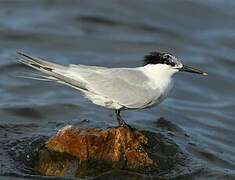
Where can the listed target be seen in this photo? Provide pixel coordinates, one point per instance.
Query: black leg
(121, 122)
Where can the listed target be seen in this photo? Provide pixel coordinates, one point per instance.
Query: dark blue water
(119, 33)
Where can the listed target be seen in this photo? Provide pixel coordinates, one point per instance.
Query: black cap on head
(159, 58)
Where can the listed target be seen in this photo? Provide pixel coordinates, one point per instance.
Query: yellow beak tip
(205, 74)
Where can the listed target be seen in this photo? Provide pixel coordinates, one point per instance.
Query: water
(117, 34)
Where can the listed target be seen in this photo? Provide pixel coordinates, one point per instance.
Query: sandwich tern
(116, 88)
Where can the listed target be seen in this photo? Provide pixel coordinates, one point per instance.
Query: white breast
(160, 76)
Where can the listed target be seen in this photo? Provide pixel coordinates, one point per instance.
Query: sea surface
(199, 114)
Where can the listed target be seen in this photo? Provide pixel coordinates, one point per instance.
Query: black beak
(192, 70)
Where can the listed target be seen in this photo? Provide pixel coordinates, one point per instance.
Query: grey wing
(128, 87)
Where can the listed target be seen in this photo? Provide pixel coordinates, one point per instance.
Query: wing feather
(126, 86)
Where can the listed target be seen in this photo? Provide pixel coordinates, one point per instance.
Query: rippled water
(118, 34)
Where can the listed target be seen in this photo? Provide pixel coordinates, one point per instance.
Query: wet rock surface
(82, 152)
(87, 152)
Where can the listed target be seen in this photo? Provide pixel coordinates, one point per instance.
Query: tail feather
(35, 66)
(36, 77)
(55, 72)
(42, 62)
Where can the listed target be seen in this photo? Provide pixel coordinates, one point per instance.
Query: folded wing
(129, 87)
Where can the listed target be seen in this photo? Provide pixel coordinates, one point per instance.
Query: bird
(116, 88)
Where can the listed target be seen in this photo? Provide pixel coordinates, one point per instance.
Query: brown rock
(82, 152)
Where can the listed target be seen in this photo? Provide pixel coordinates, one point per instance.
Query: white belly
(103, 101)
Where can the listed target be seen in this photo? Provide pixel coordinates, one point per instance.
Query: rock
(84, 152)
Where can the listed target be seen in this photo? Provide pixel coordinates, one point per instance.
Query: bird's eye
(169, 62)
(167, 59)
(172, 63)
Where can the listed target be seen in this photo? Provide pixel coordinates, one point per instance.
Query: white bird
(116, 88)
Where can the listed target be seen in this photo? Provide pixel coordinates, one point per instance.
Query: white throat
(159, 71)
(160, 76)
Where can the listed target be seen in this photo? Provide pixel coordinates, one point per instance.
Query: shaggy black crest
(159, 58)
